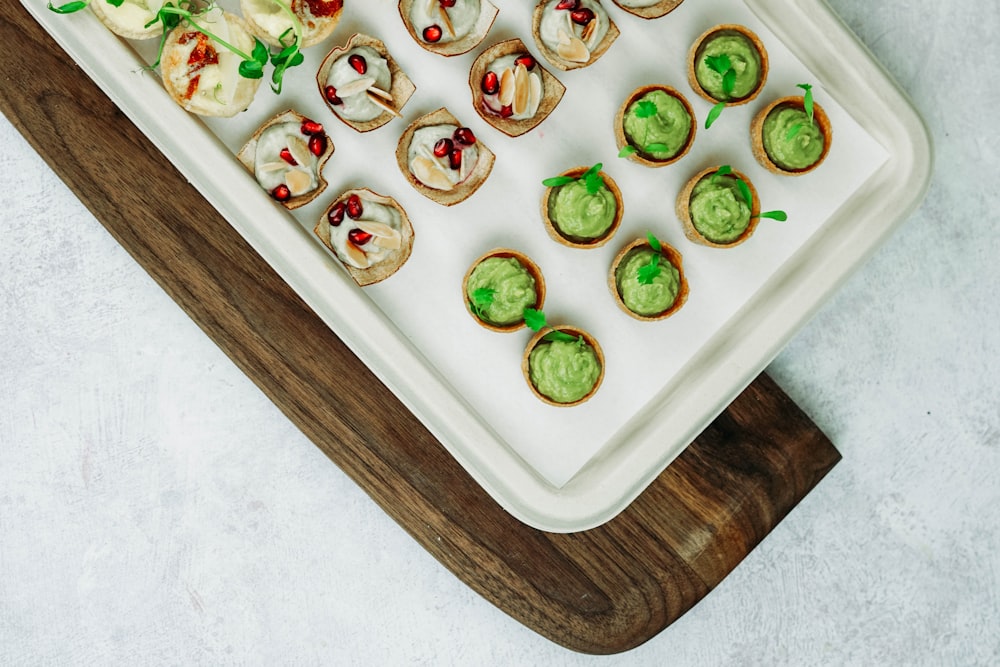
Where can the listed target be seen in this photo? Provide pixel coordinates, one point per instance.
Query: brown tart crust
(487, 15)
(247, 156)
(640, 156)
(319, 18)
(107, 17)
(529, 266)
(668, 252)
(684, 210)
(558, 61)
(695, 52)
(387, 267)
(552, 89)
(576, 242)
(661, 8)
(757, 135)
(401, 90)
(572, 331)
(462, 190)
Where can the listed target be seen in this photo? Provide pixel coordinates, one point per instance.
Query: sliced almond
(430, 174)
(508, 86)
(534, 94)
(299, 150)
(375, 90)
(299, 181)
(356, 255)
(522, 89)
(386, 243)
(272, 167)
(374, 228)
(588, 32)
(574, 51)
(463, 169)
(356, 86)
(445, 19)
(382, 104)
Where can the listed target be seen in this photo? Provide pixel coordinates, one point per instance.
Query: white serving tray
(562, 469)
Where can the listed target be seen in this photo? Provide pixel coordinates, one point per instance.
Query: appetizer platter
(659, 382)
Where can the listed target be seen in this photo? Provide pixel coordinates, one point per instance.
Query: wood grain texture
(601, 591)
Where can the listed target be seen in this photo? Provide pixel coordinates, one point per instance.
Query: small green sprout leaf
(116, 3)
(723, 170)
(729, 82)
(713, 115)
(69, 7)
(807, 100)
(657, 148)
(557, 181)
(534, 319)
(654, 242)
(648, 272)
(719, 64)
(645, 109)
(745, 192)
(592, 179)
(482, 298)
(627, 150)
(793, 130)
(562, 336)
(780, 216)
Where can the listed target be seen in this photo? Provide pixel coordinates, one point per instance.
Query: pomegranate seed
(507, 111)
(281, 193)
(359, 63)
(432, 33)
(311, 127)
(331, 95)
(358, 237)
(582, 16)
(490, 84)
(353, 207)
(448, 3)
(317, 144)
(568, 4)
(464, 136)
(526, 60)
(286, 155)
(443, 147)
(336, 214)
(455, 159)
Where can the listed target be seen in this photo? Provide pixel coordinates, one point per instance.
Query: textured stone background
(156, 508)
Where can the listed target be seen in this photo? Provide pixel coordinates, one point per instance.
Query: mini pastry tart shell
(314, 30)
(577, 242)
(669, 253)
(528, 265)
(536, 340)
(387, 267)
(248, 153)
(757, 135)
(661, 8)
(462, 190)
(684, 211)
(401, 90)
(552, 89)
(696, 50)
(487, 15)
(107, 17)
(639, 155)
(558, 61)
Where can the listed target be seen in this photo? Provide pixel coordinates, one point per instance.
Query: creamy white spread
(273, 170)
(381, 221)
(358, 106)
(210, 84)
(433, 171)
(558, 31)
(462, 17)
(520, 101)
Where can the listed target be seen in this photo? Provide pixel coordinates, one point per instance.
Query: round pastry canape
(362, 84)
(511, 90)
(563, 366)
(572, 33)
(269, 20)
(713, 208)
(739, 48)
(582, 207)
(786, 141)
(286, 155)
(499, 286)
(648, 9)
(202, 76)
(130, 20)
(368, 232)
(448, 27)
(655, 126)
(442, 159)
(648, 282)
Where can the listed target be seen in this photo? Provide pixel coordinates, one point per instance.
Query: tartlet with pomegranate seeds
(747, 58)
(202, 76)
(584, 209)
(713, 210)
(658, 125)
(511, 90)
(442, 159)
(268, 20)
(566, 371)
(286, 155)
(648, 9)
(572, 33)
(499, 285)
(369, 233)
(448, 27)
(647, 282)
(362, 84)
(131, 19)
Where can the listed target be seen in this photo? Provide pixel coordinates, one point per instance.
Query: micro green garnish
(807, 105)
(654, 242)
(724, 67)
(645, 109)
(724, 170)
(656, 148)
(290, 55)
(77, 5)
(535, 320)
(482, 298)
(591, 178)
(627, 149)
(744, 188)
(648, 272)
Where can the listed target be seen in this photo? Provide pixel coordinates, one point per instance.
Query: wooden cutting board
(605, 590)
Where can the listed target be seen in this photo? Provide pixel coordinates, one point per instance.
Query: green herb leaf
(793, 130)
(251, 69)
(657, 148)
(648, 272)
(593, 181)
(534, 319)
(654, 242)
(482, 298)
(69, 7)
(259, 54)
(729, 82)
(807, 100)
(724, 170)
(780, 216)
(719, 64)
(557, 181)
(627, 150)
(116, 3)
(745, 192)
(562, 336)
(592, 171)
(713, 115)
(645, 109)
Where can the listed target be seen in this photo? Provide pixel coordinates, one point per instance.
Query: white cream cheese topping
(436, 172)
(573, 42)
(272, 170)
(381, 221)
(462, 18)
(520, 88)
(352, 87)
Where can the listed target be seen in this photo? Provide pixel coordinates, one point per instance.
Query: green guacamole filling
(666, 123)
(744, 59)
(802, 149)
(564, 371)
(512, 289)
(718, 210)
(579, 214)
(652, 298)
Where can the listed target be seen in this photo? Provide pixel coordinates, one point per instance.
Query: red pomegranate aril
(464, 136)
(336, 214)
(447, 3)
(358, 237)
(526, 60)
(490, 84)
(286, 155)
(311, 127)
(353, 207)
(455, 159)
(507, 111)
(581, 16)
(317, 144)
(432, 33)
(443, 147)
(568, 4)
(281, 193)
(331, 95)
(358, 62)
